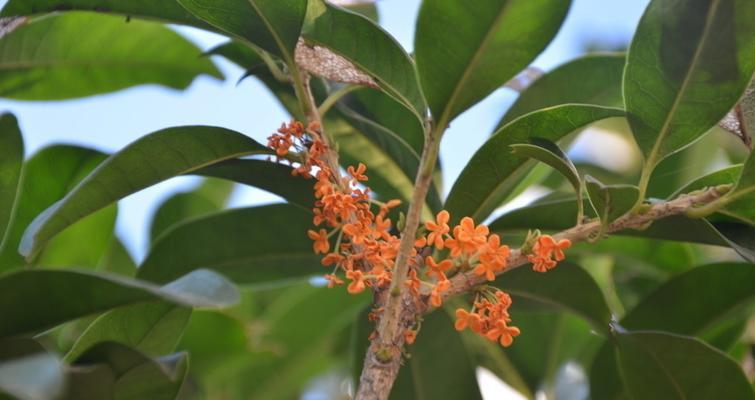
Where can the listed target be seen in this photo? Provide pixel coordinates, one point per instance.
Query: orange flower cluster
(365, 250)
(546, 252)
(489, 317)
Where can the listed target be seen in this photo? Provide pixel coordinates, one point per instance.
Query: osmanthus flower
(438, 229)
(357, 281)
(546, 252)
(366, 249)
(489, 317)
(437, 270)
(321, 244)
(467, 238)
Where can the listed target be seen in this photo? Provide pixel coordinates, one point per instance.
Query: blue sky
(109, 122)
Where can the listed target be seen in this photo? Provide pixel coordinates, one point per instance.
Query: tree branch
(464, 282)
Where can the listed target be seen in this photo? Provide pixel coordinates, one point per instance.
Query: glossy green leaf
(134, 375)
(687, 66)
(210, 196)
(740, 202)
(166, 10)
(273, 25)
(153, 328)
(38, 62)
(591, 79)
(493, 172)
(657, 365)
(149, 160)
(726, 287)
(46, 295)
(249, 245)
(369, 48)
(273, 177)
(488, 45)
(567, 287)
(612, 201)
(440, 366)
(33, 376)
(49, 174)
(11, 161)
(549, 153)
(117, 259)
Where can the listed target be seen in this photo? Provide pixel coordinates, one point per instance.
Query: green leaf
(369, 48)
(117, 259)
(567, 287)
(153, 328)
(488, 45)
(149, 160)
(738, 203)
(273, 177)
(612, 201)
(549, 153)
(440, 366)
(48, 175)
(249, 245)
(134, 375)
(493, 172)
(38, 62)
(657, 365)
(46, 295)
(209, 197)
(591, 79)
(166, 10)
(11, 162)
(674, 308)
(273, 25)
(687, 66)
(32, 376)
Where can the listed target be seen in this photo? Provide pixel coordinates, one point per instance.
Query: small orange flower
(413, 282)
(438, 229)
(545, 250)
(503, 333)
(358, 173)
(332, 258)
(321, 244)
(333, 280)
(465, 319)
(436, 295)
(410, 336)
(467, 237)
(438, 269)
(357, 281)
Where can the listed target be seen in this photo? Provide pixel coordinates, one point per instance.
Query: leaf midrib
(664, 131)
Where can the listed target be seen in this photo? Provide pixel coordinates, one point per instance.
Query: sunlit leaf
(656, 365)
(248, 245)
(11, 161)
(153, 328)
(369, 48)
(149, 160)
(488, 45)
(591, 79)
(39, 63)
(493, 171)
(688, 65)
(46, 295)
